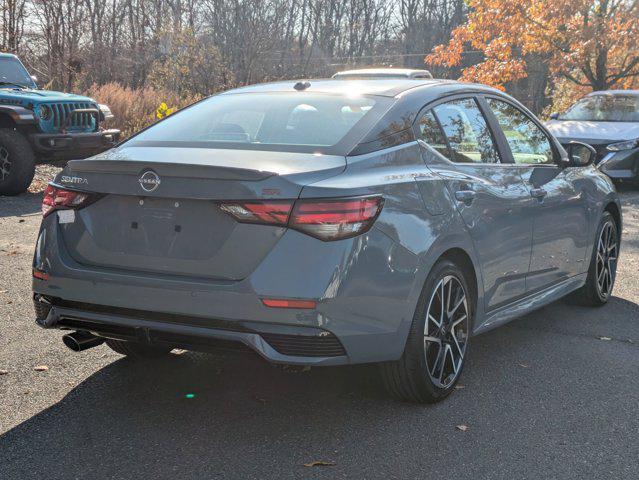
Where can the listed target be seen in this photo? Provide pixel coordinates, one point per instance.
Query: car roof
(613, 92)
(391, 87)
(7, 55)
(384, 73)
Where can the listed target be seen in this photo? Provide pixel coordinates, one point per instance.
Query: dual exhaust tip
(80, 340)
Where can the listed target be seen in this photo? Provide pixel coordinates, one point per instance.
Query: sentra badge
(76, 180)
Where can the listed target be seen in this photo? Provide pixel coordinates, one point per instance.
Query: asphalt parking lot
(552, 395)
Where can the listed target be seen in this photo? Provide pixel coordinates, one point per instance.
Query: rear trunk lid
(161, 215)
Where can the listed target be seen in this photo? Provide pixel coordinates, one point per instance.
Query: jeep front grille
(81, 121)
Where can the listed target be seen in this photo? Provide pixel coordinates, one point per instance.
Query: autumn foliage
(589, 43)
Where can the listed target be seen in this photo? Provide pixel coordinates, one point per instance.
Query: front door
(560, 228)
(489, 194)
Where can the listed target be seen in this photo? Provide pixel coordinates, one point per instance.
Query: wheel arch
(6, 121)
(614, 210)
(17, 115)
(458, 248)
(463, 260)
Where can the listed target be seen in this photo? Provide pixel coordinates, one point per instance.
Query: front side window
(467, 132)
(260, 120)
(528, 143)
(605, 108)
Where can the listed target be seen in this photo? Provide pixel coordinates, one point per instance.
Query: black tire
(137, 350)
(592, 294)
(17, 162)
(410, 377)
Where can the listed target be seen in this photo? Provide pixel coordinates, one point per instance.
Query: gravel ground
(552, 395)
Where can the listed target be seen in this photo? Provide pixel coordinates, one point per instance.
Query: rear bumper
(276, 343)
(363, 287)
(73, 145)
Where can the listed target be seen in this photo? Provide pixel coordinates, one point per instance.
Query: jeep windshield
(13, 73)
(605, 108)
(281, 121)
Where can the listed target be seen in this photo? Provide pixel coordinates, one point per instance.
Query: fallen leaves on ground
(462, 428)
(604, 338)
(3, 372)
(523, 365)
(320, 463)
(41, 368)
(459, 386)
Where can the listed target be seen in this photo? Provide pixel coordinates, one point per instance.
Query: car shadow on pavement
(24, 204)
(229, 416)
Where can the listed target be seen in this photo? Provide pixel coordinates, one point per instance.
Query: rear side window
(467, 132)
(528, 143)
(258, 120)
(429, 131)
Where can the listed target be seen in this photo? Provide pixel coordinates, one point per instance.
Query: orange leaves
(573, 36)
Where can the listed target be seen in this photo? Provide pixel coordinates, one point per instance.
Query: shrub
(135, 109)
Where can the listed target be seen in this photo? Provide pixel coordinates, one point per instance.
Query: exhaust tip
(79, 341)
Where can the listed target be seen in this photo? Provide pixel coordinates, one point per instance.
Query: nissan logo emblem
(149, 181)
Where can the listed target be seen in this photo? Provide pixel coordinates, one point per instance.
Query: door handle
(465, 196)
(538, 193)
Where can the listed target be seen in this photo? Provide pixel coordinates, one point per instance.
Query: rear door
(559, 209)
(488, 192)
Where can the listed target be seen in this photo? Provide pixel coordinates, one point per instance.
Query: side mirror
(554, 116)
(580, 154)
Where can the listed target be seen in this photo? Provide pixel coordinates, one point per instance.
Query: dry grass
(135, 109)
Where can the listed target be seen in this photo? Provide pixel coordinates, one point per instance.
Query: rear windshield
(296, 121)
(605, 108)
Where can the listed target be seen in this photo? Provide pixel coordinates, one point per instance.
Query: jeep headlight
(105, 111)
(625, 145)
(45, 112)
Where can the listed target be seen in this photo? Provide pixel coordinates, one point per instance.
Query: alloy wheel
(606, 265)
(5, 163)
(446, 331)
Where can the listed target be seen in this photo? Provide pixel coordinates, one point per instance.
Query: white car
(609, 122)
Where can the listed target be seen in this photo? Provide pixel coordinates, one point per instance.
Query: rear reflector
(40, 274)
(58, 198)
(282, 303)
(326, 219)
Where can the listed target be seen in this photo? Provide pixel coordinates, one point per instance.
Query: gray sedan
(327, 222)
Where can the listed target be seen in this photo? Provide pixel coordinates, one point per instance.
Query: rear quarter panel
(419, 219)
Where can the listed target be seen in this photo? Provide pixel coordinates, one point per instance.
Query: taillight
(326, 219)
(335, 219)
(58, 198)
(268, 212)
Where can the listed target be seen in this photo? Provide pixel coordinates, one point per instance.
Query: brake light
(58, 198)
(326, 219)
(335, 219)
(269, 213)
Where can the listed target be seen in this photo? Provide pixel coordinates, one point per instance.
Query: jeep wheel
(17, 163)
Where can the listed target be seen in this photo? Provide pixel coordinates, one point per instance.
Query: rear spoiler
(167, 169)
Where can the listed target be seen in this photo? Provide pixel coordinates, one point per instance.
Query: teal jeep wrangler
(40, 126)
